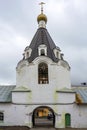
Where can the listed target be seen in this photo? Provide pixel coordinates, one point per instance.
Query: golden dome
(42, 17)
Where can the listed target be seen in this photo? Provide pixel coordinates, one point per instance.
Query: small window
(57, 54)
(43, 73)
(42, 52)
(27, 54)
(1, 116)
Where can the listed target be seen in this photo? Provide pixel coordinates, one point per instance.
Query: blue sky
(67, 25)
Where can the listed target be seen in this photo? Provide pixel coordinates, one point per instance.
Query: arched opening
(57, 54)
(67, 120)
(42, 52)
(43, 73)
(43, 116)
(27, 54)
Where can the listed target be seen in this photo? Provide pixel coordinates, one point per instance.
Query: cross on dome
(42, 3)
(42, 19)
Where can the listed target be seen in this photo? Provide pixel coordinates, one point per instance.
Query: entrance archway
(43, 116)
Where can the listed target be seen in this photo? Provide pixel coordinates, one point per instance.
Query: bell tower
(43, 69)
(42, 76)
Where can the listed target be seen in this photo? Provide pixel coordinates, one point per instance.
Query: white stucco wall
(19, 115)
(65, 97)
(29, 95)
(13, 115)
(27, 76)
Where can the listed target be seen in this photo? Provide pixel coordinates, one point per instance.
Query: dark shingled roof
(5, 93)
(42, 37)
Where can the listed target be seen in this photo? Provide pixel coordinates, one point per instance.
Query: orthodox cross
(42, 3)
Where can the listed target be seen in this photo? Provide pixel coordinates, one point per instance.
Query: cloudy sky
(67, 25)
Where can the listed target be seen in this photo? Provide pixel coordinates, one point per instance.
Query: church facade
(43, 87)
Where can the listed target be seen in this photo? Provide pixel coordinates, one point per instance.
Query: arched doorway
(67, 120)
(43, 116)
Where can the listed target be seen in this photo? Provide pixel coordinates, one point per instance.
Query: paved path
(42, 128)
(43, 124)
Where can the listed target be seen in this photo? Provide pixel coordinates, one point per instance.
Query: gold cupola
(41, 18)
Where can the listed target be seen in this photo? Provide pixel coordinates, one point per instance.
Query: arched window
(42, 52)
(27, 54)
(1, 116)
(43, 73)
(57, 54)
(67, 120)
